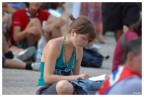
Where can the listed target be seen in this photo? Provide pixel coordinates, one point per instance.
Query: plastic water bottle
(40, 46)
(38, 55)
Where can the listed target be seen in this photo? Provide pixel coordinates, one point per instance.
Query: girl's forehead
(84, 35)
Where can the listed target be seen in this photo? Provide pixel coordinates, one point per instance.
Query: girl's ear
(73, 32)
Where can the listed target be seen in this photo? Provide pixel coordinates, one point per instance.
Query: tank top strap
(62, 50)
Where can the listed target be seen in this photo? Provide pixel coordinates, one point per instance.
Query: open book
(98, 78)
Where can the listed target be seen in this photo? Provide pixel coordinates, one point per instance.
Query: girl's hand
(83, 76)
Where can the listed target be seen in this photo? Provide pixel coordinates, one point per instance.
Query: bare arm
(79, 54)
(18, 34)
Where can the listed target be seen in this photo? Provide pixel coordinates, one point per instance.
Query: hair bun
(71, 17)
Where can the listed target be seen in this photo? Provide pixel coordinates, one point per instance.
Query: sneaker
(16, 59)
(36, 66)
(27, 53)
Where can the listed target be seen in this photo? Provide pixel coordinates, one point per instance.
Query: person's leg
(33, 38)
(18, 52)
(5, 49)
(128, 11)
(9, 63)
(57, 32)
(15, 50)
(22, 54)
(47, 90)
(52, 29)
(118, 34)
(112, 18)
(47, 28)
(60, 88)
(98, 29)
(5, 46)
(64, 87)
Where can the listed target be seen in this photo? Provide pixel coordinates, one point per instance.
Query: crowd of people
(40, 36)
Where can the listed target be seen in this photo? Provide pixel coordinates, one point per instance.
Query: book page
(98, 78)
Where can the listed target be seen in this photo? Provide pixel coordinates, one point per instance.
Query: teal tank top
(59, 65)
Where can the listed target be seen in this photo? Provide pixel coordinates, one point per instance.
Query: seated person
(27, 25)
(65, 54)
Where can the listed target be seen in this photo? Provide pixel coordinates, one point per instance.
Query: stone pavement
(23, 82)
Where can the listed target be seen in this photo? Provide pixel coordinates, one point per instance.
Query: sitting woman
(61, 59)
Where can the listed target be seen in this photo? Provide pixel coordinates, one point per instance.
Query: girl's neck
(68, 41)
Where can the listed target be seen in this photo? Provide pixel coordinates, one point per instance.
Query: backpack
(92, 58)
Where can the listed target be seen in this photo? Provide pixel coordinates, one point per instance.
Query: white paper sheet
(98, 78)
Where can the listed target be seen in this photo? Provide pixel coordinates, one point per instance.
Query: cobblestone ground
(23, 82)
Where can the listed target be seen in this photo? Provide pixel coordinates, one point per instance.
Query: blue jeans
(85, 86)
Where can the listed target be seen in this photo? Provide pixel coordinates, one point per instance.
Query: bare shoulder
(54, 43)
(53, 46)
